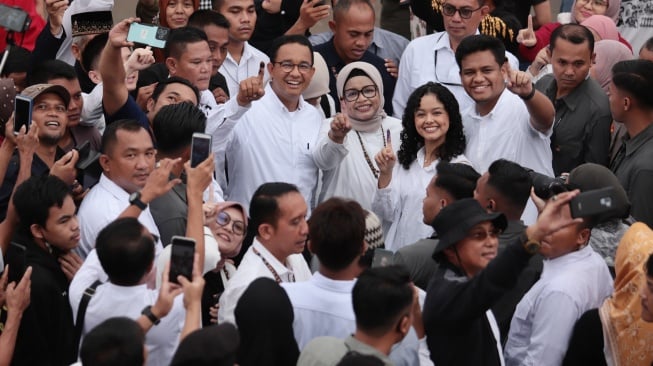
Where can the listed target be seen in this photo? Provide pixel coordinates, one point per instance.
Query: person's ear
(404, 324)
(149, 105)
(491, 205)
(77, 53)
(583, 237)
(266, 231)
(332, 26)
(270, 67)
(485, 10)
(37, 231)
(443, 203)
(94, 76)
(171, 64)
(450, 254)
(105, 162)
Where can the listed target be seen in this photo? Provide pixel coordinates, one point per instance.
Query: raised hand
(139, 60)
(526, 36)
(340, 126)
(144, 94)
(310, 14)
(118, 34)
(542, 59)
(55, 9)
(158, 182)
(520, 83)
(18, 295)
(386, 160)
(551, 218)
(252, 88)
(64, 168)
(70, 264)
(220, 95)
(200, 177)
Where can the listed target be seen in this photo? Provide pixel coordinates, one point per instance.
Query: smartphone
(17, 261)
(200, 148)
(181, 258)
(594, 202)
(382, 258)
(148, 34)
(22, 113)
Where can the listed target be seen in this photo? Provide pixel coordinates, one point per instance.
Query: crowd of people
(479, 195)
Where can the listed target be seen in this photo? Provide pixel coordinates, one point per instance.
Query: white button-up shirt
(250, 63)
(506, 133)
(419, 65)
(544, 319)
(103, 204)
(252, 267)
(399, 205)
(271, 144)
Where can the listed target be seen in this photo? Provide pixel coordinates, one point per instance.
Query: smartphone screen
(594, 202)
(148, 34)
(382, 258)
(22, 113)
(17, 261)
(181, 258)
(200, 148)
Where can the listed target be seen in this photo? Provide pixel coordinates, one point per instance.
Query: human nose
(179, 8)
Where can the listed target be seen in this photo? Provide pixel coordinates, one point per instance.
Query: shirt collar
(354, 344)
(332, 285)
(275, 102)
(576, 96)
(553, 265)
(279, 267)
(114, 189)
(634, 143)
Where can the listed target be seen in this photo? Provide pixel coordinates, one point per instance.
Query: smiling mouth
(52, 124)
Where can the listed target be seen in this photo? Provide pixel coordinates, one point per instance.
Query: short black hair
(17, 61)
(574, 33)
(50, 70)
(284, 40)
(179, 38)
(342, 7)
(124, 251)
(648, 45)
(511, 181)
(636, 78)
(337, 249)
(92, 51)
(174, 126)
(480, 43)
(205, 17)
(110, 135)
(34, 197)
(161, 86)
(264, 206)
(457, 179)
(115, 341)
(381, 296)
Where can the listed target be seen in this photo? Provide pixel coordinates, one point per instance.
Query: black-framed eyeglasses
(288, 66)
(223, 219)
(465, 13)
(369, 92)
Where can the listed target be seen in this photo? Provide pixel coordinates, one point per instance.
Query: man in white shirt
(276, 139)
(278, 215)
(574, 280)
(242, 59)
(128, 182)
(432, 57)
(509, 119)
(323, 304)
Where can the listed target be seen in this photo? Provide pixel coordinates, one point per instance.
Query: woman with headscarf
(264, 316)
(225, 226)
(433, 132)
(608, 52)
(174, 14)
(531, 42)
(615, 334)
(360, 90)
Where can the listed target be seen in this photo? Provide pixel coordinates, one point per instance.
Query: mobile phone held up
(181, 258)
(148, 34)
(22, 113)
(200, 148)
(594, 202)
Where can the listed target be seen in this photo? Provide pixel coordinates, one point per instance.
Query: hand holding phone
(594, 202)
(181, 258)
(148, 34)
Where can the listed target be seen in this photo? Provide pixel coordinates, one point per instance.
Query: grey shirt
(326, 351)
(633, 165)
(581, 129)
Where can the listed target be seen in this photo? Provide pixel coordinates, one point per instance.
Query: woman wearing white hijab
(360, 90)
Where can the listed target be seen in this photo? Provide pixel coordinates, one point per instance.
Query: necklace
(367, 157)
(276, 276)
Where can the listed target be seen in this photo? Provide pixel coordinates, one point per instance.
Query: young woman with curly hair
(433, 132)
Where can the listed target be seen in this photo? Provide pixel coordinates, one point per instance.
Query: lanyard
(276, 276)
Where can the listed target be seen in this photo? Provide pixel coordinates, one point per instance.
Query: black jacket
(46, 332)
(457, 329)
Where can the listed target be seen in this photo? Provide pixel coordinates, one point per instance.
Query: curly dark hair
(454, 143)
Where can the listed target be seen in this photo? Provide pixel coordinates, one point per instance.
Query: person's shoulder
(392, 37)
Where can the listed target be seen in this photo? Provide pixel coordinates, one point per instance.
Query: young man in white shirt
(278, 215)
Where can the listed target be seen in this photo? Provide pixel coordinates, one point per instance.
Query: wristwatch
(135, 199)
(530, 246)
(147, 311)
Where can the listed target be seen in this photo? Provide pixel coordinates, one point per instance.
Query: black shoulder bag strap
(81, 312)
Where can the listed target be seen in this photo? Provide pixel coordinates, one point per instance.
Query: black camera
(14, 19)
(545, 186)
